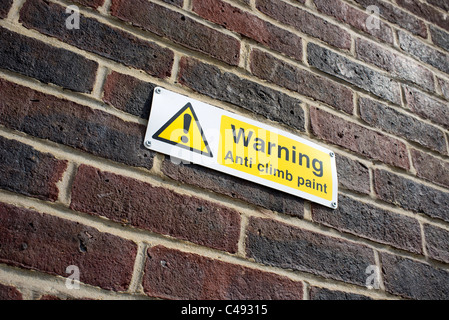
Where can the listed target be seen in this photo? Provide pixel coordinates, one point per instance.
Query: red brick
(249, 25)
(394, 14)
(305, 22)
(267, 67)
(49, 244)
(98, 38)
(431, 168)
(129, 94)
(45, 63)
(427, 107)
(61, 121)
(354, 17)
(425, 11)
(29, 172)
(156, 209)
(178, 28)
(172, 274)
(9, 293)
(5, 5)
(404, 68)
(234, 187)
(280, 245)
(368, 143)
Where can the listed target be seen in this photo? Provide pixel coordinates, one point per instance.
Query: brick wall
(78, 188)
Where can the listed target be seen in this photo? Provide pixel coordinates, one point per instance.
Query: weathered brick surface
(4, 8)
(129, 94)
(436, 242)
(423, 52)
(267, 67)
(440, 37)
(50, 244)
(172, 274)
(305, 22)
(403, 68)
(425, 11)
(225, 86)
(354, 137)
(443, 4)
(411, 195)
(400, 124)
(444, 87)
(431, 168)
(427, 107)
(178, 28)
(74, 125)
(250, 26)
(352, 174)
(29, 172)
(363, 77)
(413, 279)
(98, 38)
(45, 63)
(234, 187)
(316, 293)
(90, 3)
(157, 209)
(370, 222)
(397, 16)
(272, 243)
(9, 293)
(354, 17)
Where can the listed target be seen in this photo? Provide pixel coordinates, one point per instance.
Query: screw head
(334, 205)
(158, 90)
(332, 154)
(147, 144)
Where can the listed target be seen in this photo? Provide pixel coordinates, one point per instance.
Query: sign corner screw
(334, 205)
(158, 90)
(148, 144)
(332, 154)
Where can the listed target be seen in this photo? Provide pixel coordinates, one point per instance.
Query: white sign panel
(197, 132)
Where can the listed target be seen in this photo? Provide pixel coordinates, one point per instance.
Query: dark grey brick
(411, 195)
(363, 77)
(413, 279)
(275, 244)
(370, 222)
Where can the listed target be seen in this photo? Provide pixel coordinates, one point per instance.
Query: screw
(332, 154)
(148, 144)
(158, 90)
(334, 205)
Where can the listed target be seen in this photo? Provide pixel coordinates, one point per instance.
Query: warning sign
(196, 132)
(184, 130)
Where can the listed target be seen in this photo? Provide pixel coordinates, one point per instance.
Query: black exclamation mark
(187, 123)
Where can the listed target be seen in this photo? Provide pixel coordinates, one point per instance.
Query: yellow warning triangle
(184, 130)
